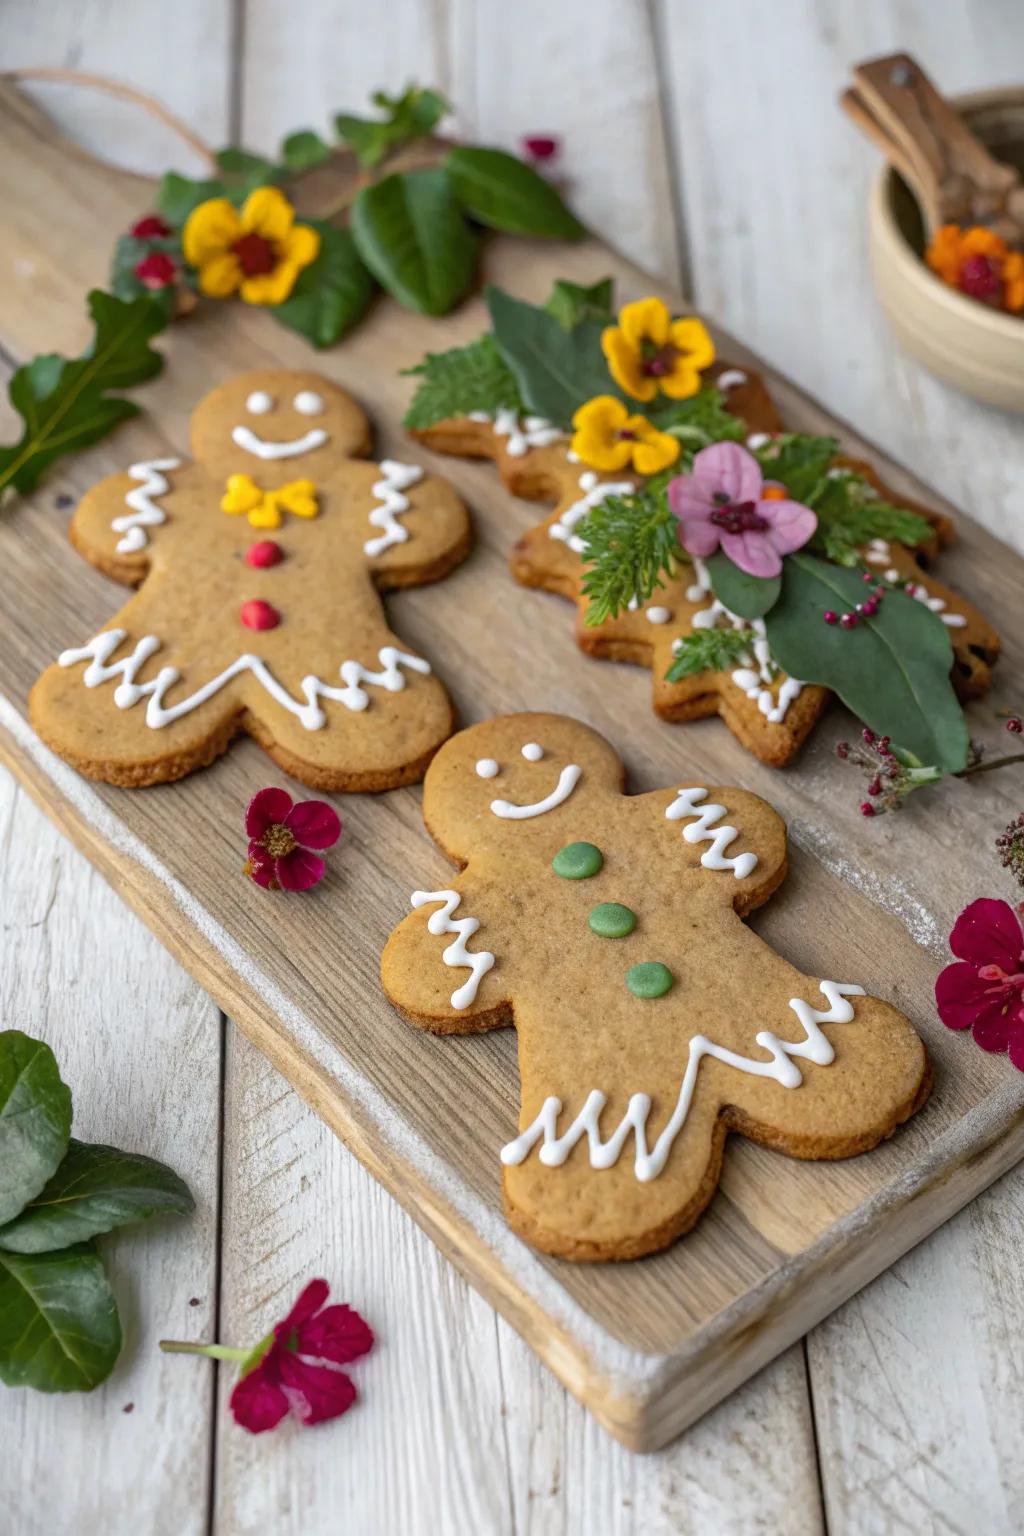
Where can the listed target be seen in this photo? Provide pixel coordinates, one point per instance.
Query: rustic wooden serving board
(648, 1346)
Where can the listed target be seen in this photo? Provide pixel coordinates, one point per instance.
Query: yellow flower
(258, 251)
(648, 351)
(265, 509)
(608, 437)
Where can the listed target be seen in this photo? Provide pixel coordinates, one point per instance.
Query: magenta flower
(723, 500)
(281, 834)
(298, 1369)
(984, 990)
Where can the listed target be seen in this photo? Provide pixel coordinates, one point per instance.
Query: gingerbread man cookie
(651, 1021)
(770, 713)
(259, 568)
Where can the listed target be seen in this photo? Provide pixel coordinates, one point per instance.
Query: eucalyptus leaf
(892, 670)
(555, 370)
(95, 1189)
(748, 596)
(411, 233)
(59, 1328)
(332, 293)
(35, 1119)
(504, 193)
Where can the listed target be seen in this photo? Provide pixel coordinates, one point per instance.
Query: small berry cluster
(865, 610)
(889, 779)
(1010, 848)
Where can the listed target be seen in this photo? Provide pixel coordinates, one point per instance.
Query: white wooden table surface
(705, 140)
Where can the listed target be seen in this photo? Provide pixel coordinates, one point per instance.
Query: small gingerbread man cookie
(651, 1021)
(259, 568)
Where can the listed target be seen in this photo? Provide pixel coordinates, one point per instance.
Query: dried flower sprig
(893, 775)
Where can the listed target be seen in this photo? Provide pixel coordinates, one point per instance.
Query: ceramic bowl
(976, 349)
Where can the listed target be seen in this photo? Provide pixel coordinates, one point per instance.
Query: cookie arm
(417, 529)
(437, 970)
(117, 521)
(733, 837)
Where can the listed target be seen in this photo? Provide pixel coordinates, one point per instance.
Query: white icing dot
(307, 403)
(658, 615)
(259, 403)
(759, 439)
(487, 768)
(533, 752)
(732, 378)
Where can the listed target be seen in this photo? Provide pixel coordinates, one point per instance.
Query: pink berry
(867, 577)
(866, 808)
(843, 749)
(981, 278)
(266, 553)
(868, 735)
(830, 616)
(259, 615)
(850, 620)
(1015, 725)
(910, 588)
(870, 607)
(875, 787)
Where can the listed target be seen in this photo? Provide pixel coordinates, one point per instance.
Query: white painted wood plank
(582, 71)
(178, 53)
(774, 185)
(140, 1046)
(459, 1427)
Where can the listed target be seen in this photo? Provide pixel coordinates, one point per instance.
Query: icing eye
(533, 752)
(307, 403)
(487, 768)
(259, 403)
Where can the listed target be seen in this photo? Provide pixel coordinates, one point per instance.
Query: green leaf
(750, 597)
(410, 232)
(700, 420)
(95, 1189)
(332, 293)
(708, 650)
(892, 671)
(243, 172)
(570, 302)
(35, 1119)
(506, 194)
(630, 542)
(303, 150)
(799, 460)
(850, 513)
(555, 370)
(465, 379)
(64, 404)
(407, 117)
(59, 1328)
(178, 195)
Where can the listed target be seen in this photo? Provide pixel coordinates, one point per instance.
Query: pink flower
(724, 500)
(298, 1367)
(152, 227)
(984, 990)
(281, 834)
(156, 270)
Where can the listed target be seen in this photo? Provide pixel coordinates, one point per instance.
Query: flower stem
(211, 1351)
(994, 762)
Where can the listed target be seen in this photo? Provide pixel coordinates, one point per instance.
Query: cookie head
(528, 775)
(277, 426)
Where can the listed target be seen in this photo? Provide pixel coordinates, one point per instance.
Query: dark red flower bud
(866, 808)
(156, 270)
(868, 735)
(541, 146)
(152, 227)
(1015, 725)
(843, 749)
(982, 278)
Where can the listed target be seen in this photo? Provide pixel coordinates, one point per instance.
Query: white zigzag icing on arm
(782, 1067)
(456, 954)
(145, 513)
(396, 478)
(128, 692)
(684, 805)
(594, 492)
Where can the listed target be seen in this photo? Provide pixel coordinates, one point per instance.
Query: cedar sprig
(708, 650)
(630, 542)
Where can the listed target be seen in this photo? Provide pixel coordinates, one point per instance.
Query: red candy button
(263, 554)
(259, 615)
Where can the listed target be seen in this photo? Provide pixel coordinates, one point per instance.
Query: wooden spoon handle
(957, 178)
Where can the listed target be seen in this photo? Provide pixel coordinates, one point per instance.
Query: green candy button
(577, 861)
(649, 979)
(611, 920)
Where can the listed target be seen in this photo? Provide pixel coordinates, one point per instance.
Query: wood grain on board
(650, 1346)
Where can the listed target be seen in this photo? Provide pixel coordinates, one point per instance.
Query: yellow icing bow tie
(265, 509)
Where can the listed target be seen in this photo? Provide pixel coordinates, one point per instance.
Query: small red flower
(156, 270)
(152, 227)
(984, 990)
(281, 834)
(299, 1368)
(541, 146)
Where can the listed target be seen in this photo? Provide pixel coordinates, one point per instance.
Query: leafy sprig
(465, 379)
(59, 1327)
(708, 650)
(851, 513)
(630, 543)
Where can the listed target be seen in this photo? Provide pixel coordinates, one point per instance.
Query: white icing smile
(567, 781)
(247, 439)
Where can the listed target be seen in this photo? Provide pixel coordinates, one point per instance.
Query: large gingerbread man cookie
(651, 1021)
(770, 713)
(259, 568)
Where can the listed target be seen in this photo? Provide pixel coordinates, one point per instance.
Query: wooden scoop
(950, 172)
